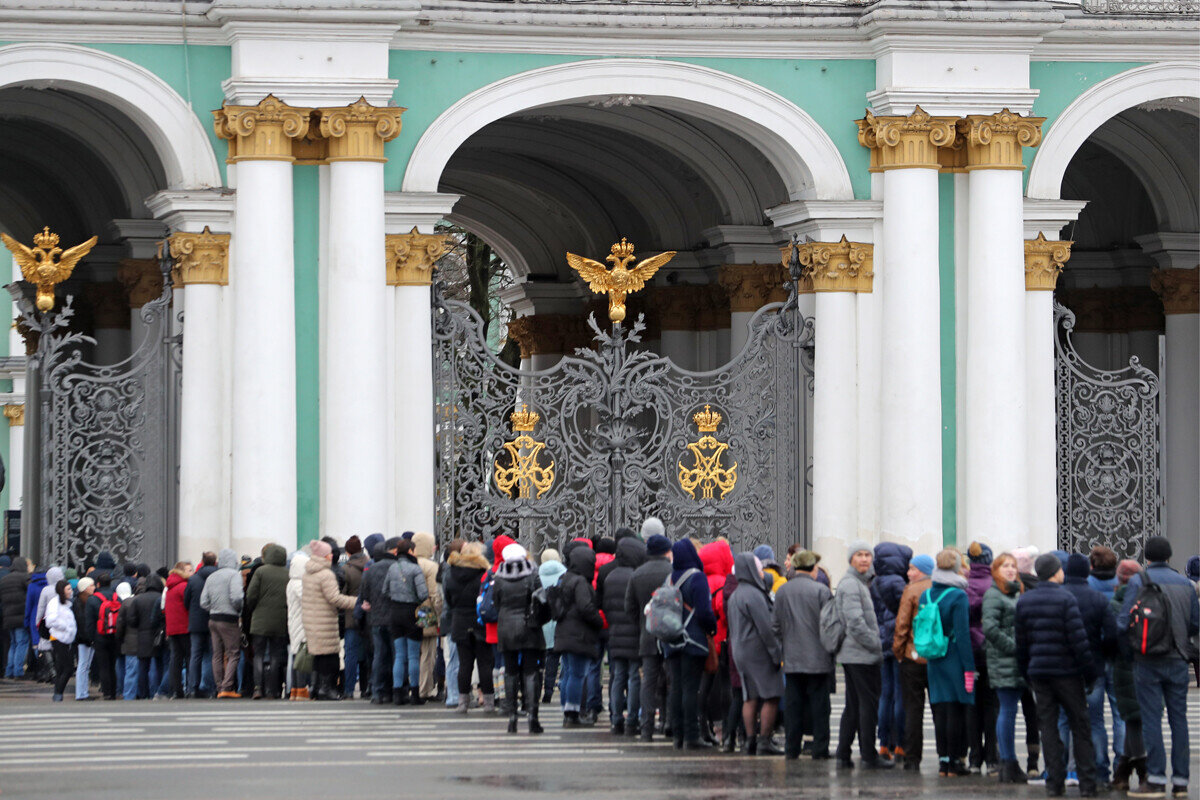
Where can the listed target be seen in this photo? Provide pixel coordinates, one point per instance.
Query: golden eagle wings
(41, 268)
(620, 280)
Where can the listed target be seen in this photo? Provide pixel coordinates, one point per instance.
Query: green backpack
(928, 639)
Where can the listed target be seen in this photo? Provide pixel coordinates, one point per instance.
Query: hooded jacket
(797, 624)
(461, 585)
(197, 616)
(642, 583)
(516, 582)
(718, 565)
(424, 546)
(222, 596)
(371, 590)
(266, 596)
(891, 576)
(174, 608)
(696, 601)
(321, 604)
(12, 594)
(979, 580)
(295, 596)
(752, 636)
(857, 610)
(946, 674)
(549, 574)
(624, 630)
(498, 545)
(60, 619)
(1000, 636)
(53, 576)
(910, 601)
(143, 620)
(579, 628)
(353, 572)
(1098, 619)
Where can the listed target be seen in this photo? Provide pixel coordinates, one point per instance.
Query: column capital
(678, 306)
(1178, 288)
(411, 256)
(842, 266)
(553, 334)
(200, 258)
(265, 132)
(357, 132)
(142, 280)
(752, 286)
(907, 142)
(15, 412)
(994, 141)
(804, 284)
(110, 307)
(1044, 261)
(712, 310)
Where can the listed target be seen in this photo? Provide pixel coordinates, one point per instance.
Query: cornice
(310, 92)
(950, 101)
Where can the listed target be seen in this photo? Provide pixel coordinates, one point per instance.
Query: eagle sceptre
(620, 281)
(39, 266)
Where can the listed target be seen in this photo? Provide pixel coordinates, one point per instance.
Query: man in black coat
(642, 583)
(13, 588)
(624, 635)
(379, 619)
(1055, 659)
(199, 673)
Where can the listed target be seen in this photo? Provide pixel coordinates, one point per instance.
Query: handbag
(711, 661)
(303, 660)
(426, 616)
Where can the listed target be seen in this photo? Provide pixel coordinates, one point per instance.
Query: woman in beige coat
(321, 604)
(424, 546)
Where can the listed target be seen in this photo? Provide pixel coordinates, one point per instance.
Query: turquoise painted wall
(305, 191)
(949, 361)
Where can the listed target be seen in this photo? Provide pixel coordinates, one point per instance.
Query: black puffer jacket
(578, 631)
(1051, 639)
(642, 583)
(515, 583)
(461, 586)
(891, 578)
(1098, 619)
(141, 619)
(13, 587)
(197, 616)
(624, 630)
(371, 590)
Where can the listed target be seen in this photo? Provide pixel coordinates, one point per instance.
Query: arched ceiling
(578, 177)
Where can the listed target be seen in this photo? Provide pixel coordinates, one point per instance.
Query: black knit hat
(1158, 549)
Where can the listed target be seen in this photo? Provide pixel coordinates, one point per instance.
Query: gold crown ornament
(707, 420)
(524, 420)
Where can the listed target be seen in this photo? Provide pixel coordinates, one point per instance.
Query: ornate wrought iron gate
(104, 472)
(607, 437)
(1108, 481)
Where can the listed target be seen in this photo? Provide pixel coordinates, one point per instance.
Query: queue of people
(706, 648)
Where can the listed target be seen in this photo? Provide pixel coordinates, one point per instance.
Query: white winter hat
(124, 592)
(513, 552)
(652, 527)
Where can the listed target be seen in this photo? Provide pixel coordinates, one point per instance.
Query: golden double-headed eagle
(619, 281)
(40, 266)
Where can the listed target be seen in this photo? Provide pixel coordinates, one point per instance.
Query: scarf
(948, 578)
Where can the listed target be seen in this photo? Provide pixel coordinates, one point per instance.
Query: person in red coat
(715, 688)
(176, 611)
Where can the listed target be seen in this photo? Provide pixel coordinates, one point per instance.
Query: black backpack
(1149, 629)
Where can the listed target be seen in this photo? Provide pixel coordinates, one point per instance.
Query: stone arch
(803, 153)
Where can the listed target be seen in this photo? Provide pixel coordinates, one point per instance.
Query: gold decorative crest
(707, 472)
(620, 281)
(39, 266)
(524, 471)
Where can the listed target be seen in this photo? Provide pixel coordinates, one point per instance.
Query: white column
(263, 491)
(835, 431)
(869, 318)
(739, 330)
(680, 347)
(15, 468)
(1041, 469)
(962, 323)
(358, 486)
(1181, 411)
(112, 345)
(414, 409)
(911, 427)
(995, 404)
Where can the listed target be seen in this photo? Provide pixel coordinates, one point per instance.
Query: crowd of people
(707, 648)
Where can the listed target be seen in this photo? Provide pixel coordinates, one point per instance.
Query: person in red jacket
(715, 689)
(176, 611)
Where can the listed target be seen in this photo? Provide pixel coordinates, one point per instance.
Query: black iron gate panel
(609, 436)
(1107, 428)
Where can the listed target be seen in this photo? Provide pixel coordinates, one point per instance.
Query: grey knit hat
(858, 545)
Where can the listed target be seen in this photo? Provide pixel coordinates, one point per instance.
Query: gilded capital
(905, 142)
(142, 280)
(1044, 261)
(15, 413)
(1178, 288)
(200, 258)
(752, 286)
(265, 132)
(110, 308)
(411, 256)
(804, 284)
(994, 141)
(842, 266)
(357, 132)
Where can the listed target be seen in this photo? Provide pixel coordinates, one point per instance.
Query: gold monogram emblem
(707, 472)
(524, 472)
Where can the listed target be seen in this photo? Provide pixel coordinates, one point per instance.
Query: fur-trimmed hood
(516, 569)
(471, 561)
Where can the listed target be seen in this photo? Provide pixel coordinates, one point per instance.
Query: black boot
(329, 690)
(571, 719)
(1016, 773)
(416, 699)
(533, 690)
(751, 747)
(512, 680)
(400, 696)
(1139, 766)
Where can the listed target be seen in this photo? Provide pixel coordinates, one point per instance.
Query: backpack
(833, 629)
(556, 601)
(485, 605)
(929, 641)
(540, 611)
(106, 621)
(664, 612)
(1149, 628)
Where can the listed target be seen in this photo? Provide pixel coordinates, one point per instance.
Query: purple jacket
(979, 580)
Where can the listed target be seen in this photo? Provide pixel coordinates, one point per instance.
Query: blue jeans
(406, 664)
(381, 682)
(1118, 739)
(18, 651)
(626, 689)
(199, 668)
(1006, 723)
(451, 672)
(120, 674)
(353, 655)
(593, 699)
(891, 704)
(574, 669)
(130, 691)
(82, 670)
(1159, 683)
